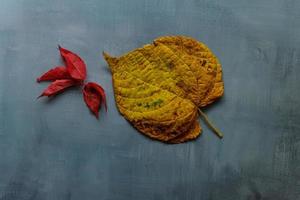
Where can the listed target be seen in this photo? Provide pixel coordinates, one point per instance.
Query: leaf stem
(210, 124)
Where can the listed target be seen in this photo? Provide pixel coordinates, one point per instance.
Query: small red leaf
(56, 73)
(75, 65)
(58, 86)
(94, 95)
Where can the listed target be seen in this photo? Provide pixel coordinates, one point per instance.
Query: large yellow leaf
(159, 87)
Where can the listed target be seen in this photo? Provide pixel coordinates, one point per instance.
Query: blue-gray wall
(56, 150)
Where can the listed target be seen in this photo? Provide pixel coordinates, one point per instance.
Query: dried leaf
(56, 73)
(75, 65)
(58, 86)
(94, 95)
(160, 87)
(73, 74)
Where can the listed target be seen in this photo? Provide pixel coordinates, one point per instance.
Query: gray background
(56, 150)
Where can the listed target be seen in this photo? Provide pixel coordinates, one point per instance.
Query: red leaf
(58, 86)
(94, 95)
(75, 65)
(56, 73)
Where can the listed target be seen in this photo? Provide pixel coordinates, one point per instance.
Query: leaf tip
(105, 106)
(41, 95)
(61, 49)
(106, 55)
(112, 61)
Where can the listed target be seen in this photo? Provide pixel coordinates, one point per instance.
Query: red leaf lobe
(94, 96)
(58, 86)
(75, 65)
(56, 73)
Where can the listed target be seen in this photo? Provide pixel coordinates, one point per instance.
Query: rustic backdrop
(56, 150)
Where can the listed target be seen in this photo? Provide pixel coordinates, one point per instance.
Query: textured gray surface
(56, 150)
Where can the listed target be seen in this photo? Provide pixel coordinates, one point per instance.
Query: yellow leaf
(160, 87)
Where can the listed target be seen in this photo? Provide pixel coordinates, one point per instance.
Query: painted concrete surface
(56, 150)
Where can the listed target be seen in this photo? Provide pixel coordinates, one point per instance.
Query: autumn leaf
(58, 86)
(94, 95)
(161, 87)
(75, 65)
(56, 73)
(73, 74)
